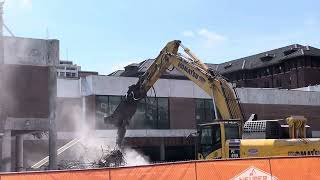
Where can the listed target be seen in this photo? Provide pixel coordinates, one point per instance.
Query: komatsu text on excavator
(227, 136)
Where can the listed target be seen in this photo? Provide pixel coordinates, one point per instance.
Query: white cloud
(210, 35)
(23, 4)
(26, 3)
(207, 38)
(188, 33)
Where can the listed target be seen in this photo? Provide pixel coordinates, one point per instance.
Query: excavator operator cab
(212, 138)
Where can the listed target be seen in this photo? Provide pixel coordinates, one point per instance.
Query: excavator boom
(208, 80)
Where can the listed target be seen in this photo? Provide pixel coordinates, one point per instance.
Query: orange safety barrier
(238, 169)
(296, 168)
(230, 169)
(101, 174)
(162, 171)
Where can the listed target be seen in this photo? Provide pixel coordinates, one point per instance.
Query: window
(278, 83)
(71, 68)
(68, 74)
(308, 62)
(210, 139)
(238, 76)
(204, 110)
(163, 114)
(152, 113)
(300, 63)
(113, 103)
(139, 120)
(200, 111)
(287, 67)
(61, 67)
(73, 74)
(267, 57)
(255, 74)
(209, 110)
(105, 105)
(206, 136)
(232, 131)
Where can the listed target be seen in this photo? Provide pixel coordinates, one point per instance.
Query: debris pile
(114, 158)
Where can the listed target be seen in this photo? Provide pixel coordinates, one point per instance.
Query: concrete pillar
(2, 104)
(6, 151)
(162, 152)
(52, 116)
(84, 111)
(19, 153)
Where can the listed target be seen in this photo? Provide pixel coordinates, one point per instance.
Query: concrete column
(19, 153)
(52, 116)
(162, 152)
(84, 111)
(6, 151)
(2, 104)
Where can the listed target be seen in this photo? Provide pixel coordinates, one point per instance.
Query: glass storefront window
(163, 113)
(138, 120)
(209, 110)
(200, 117)
(204, 110)
(114, 101)
(152, 113)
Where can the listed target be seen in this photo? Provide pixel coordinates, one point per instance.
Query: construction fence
(243, 169)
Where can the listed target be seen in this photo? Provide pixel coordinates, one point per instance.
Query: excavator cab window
(232, 131)
(210, 139)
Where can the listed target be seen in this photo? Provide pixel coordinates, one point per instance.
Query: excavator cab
(212, 137)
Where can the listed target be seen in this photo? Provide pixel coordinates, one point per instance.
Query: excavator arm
(211, 82)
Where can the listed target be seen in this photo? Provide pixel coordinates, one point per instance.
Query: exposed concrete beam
(38, 124)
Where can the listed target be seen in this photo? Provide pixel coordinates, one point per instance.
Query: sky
(105, 35)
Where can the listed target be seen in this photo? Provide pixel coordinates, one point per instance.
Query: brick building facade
(288, 67)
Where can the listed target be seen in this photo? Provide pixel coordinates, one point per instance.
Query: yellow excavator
(227, 136)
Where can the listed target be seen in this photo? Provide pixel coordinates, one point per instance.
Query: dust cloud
(92, 147)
